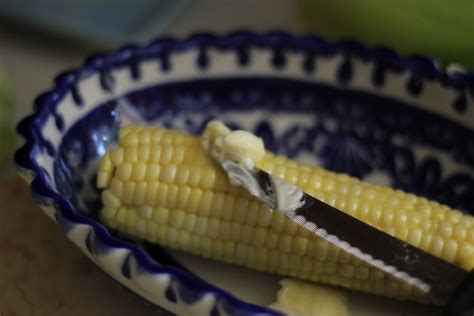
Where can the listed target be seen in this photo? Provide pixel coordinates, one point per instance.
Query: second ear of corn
(162, 186)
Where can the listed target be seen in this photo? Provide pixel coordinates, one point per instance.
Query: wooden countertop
(43, 273)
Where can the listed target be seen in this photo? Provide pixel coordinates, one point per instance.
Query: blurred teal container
(438, 28)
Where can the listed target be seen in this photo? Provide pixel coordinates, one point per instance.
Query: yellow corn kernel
(116, 155)
(156, 135)
(261, 257)
(189, 222)
(109, 212)
(145, 211)
(172, 196)
(327, 267)
(140, 193)
(278, 222)
(162, 232)
(155, 154)
(291, 228)
(299, 246)
(131, 218)
(246, 233)
(282, 262)
(252, 213)
(459, 231)
(445, 229)
(106, 164)
(103, 179)
(120, 218)
(130, 140)
(219, 208)
(124, 172)
(161, 194)
(151, 193)
(131, 154)
(217, 248)
(224, 230)
(414, 236)
(177, 218)
(306, 264)
(168, 174)
(124, 130)
(294, 262)
(449, 251)
(110, 200)
(141, 227)
(260, 235)
(152, 172)
(284, 243)
(213, 228)
(206, 247)
(172, 237)
(182, 175)
(361, 273)
(161, 215)
(272, 240)
(194, 200)
(241, 251)
(321, 250)
(144, 136)
(205, 203)
(184, 192)
(347, 270)
(116, 187)
(200, 227)
(166, 154)
(264, 215)
(151, 231)
(239, 205)
(144, 152)
(235, 231)
(207, 179)
(178, 154)
(194, 176)
(436, 246)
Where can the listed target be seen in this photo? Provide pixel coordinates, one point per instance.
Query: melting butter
(298, 298)
(239, 146)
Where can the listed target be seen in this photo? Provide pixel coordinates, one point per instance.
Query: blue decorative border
(422, 69)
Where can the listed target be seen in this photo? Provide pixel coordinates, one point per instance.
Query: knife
(440, 280)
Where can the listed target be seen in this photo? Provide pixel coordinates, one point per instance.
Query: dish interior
(371, 137)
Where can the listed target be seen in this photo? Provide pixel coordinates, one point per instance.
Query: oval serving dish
(372, 113)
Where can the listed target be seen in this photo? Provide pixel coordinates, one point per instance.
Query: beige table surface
(43, 274)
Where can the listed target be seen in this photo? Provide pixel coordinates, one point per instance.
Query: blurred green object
(6, 128)
(438, 28)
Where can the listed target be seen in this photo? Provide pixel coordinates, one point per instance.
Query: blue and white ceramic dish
(372, 113)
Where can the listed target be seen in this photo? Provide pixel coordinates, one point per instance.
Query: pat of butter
(215, 129)
(240, 146)
(243, 146)
(298, 298)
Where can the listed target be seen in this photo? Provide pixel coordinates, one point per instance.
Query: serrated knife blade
(431, 275)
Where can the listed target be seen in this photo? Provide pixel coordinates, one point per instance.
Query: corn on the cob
(161, 185)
